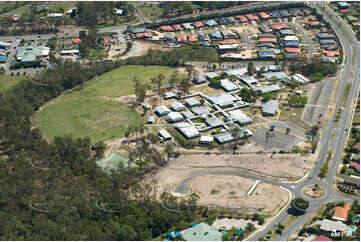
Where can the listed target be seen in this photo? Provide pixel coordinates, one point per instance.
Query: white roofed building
(228, 85)
(270, 107)
(240, 117)
(188, 130)
(162, 110)
(300, 79)
(174, 117)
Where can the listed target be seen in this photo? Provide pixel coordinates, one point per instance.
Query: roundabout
(314, 191)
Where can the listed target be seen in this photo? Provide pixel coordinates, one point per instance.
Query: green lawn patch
(345, 94)
(90, 112)
(7, 82)
(96, 54)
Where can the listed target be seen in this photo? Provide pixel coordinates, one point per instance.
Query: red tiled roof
(251, 16)
(166, 28)
(144, 35)
(242, 18)
(357, 146)
(177, 27)
(76, 40)
(355, 165)
(345, 10)
(181, 38)
(198, 24)
(313, 22)
(342, 212)
(331, 53)
(264, 15)
(322, 238)
(273, 40)
(192, 38)
(293, 50)
(279, 26)
(229, 42)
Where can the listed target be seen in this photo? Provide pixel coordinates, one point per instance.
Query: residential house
(354, 165)
(242, 18)
(166, 28)
(174, 117)
(329, 226)
(264, 15)
(293, 50)
(211, 23)
(177, 27)
(216, 34)
(252, 17)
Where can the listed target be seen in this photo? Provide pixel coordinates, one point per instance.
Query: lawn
(149, 10)
(7, 82)
(89, 112)
(96, 54)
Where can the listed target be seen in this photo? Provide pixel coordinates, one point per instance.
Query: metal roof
(175, 117)
(164, 134)
(268, 88)
(201, 232)
(278, 74)
(216, 34)
(237, 72)
(224, 137)
(191, 102)
(228, 85)
(211, 22)
(240, 116)
(188, 130)
(270, 107)
(301, 79)
(188, 114)
(177, 106)
(249, 80)
(214, 122)
(201, 110)
(330, 226)
(162, 110)
(222, 99)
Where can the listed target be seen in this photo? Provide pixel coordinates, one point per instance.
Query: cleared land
(230, 191)
(91, 111)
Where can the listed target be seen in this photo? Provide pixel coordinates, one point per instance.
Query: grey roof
(224, 137)
(187, 26)
(211, 22)
(268, 88)
(201, 110)
(328, 59)
(265, 28)
(222, 21)
(191, 102)
(214, 122)
(203, 37)
(265, 44)
(290, 55)
(325, 36)
(292, 43)
(163, 133)
(188, 130)
(330, 226)
(223, 99)
(228, 33)
(266, 35)
(329, 47)
(162, 110)
(300, 79)
(240, 117)
(228, 85)
(169, 95)
(211, 75)
(177, 106)
(175, 117)
(327, 42)
(249, 80)
(285, 13)
(278, 74)
(150, 119)
(138, 30)
(231, 19)
(237, 72)
(199, 80)
(188, 114)
(216, 34)
(287, 32)
(201, 232)
(270, 107)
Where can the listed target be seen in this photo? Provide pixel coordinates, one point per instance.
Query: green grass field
(149, 10)
(7, 82)
(89, 112)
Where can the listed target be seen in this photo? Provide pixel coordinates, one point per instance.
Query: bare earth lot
(230, 192)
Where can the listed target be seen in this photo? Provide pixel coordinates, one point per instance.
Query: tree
(250, 227)
(99, 149)
(169, 150)
(250, 68)
(272, 128)
(288, 130)
(184, 85)
(301, 204)
(140, 89)
(174, 78)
